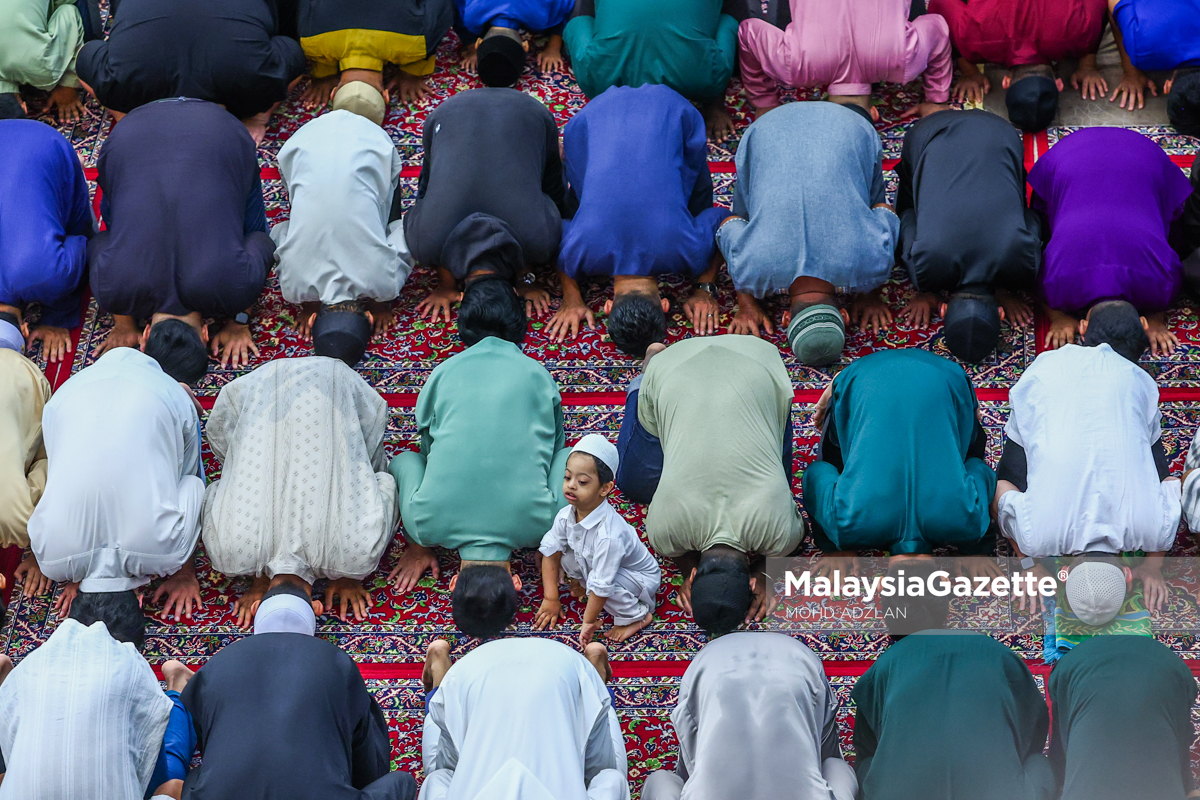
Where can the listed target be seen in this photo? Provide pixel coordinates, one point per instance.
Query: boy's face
(581, 484)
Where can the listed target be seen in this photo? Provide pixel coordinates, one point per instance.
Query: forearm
(446, 279)
(595, 605)
(746, 302)
(550, 570)
(570, 291)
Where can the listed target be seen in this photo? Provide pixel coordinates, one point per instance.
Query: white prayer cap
(1096, 592)
(285, 613)
(596, 445)
(361, 98)
(10, 336)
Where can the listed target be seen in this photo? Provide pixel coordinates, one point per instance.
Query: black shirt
(224, 51)
(490, 151)
(284, 715)
(1185, 231)
(428, 18)
(962, 175)
(176, 175)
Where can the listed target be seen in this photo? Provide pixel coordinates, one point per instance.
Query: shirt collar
(594, 519)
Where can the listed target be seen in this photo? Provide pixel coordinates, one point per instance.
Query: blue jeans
(179, 742)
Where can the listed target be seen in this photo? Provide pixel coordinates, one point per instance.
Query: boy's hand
(588, 632)
(549, 614)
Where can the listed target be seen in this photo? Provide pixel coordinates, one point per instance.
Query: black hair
(636, 322)
(491, 308)
(720, 593)
(603, 473)
(10, 318)
(179, 350)
(286, 587)
(10, 106)
(119, 611)
(1118, 324)
(484, 601)
(906, 614)
(1183, 102)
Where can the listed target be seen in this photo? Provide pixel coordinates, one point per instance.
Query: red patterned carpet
(390, 644)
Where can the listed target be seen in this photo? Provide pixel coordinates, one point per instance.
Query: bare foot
(619, 633)
(304, 321)
(62, 605)
(576, 588)
(176, 675)
(247, 605)
(437, 664)
(29, 575)
(411, 567)
(66, 103)
(382, 317)
(468, 58)
(717, 122)
(123, 334)
(354, 597)
(597, 654)
(409, 88)
(1016, 311)
(257, 125)
(316, 94)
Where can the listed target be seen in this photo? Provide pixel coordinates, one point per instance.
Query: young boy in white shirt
(597, 550)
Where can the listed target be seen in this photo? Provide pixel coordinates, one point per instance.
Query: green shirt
(39, 40)
(719, 405)
(688, 45)
(904, 420)
(490, 420)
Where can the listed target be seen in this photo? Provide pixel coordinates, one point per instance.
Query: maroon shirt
(1016, 32)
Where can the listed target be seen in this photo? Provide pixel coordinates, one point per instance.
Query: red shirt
(1016, 32)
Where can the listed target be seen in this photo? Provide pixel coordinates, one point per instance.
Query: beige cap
(362, 99)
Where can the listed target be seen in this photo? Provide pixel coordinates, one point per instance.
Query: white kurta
(81, 718)
(304, 487)
(340, 171)
(523, 719)
(123, 492)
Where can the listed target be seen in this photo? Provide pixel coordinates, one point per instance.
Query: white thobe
(123, 486)
(523, 719)
(304, 487)
(81, 718)
(340, 171)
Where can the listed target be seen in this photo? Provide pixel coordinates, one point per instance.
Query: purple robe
(1110, 195)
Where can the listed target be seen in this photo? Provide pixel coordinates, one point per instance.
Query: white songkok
(1096, 592)
(10, 336)
(285, 613)
(596, 445)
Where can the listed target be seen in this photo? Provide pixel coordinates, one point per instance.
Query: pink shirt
(847, 46)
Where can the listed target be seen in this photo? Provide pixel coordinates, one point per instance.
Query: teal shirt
(904, 420)
(688, 45)
(491, 426)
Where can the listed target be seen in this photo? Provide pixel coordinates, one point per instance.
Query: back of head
(636, 322)
(1183, 103)
(484, 601)
(972, 326)
(816, 333)
(720, 593)
(1095, 591)
(119, 611)
(10, 106)
(1032, 98)
(501, 58)
(361, 98)
(1117, 324)
(342, 331)
(491, 308)
(285, 608)
(908, 614)
(178, 349)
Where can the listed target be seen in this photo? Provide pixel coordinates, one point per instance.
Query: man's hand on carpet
(438, 303)
(920, 311)
(870, 312)
(1089, 82)
(549, 614)
(971, 87)
(569, 319)
(703, 312)
(56, 342)
(1035, 604)
(234, 345)
(182, 594)
(354, 597)
(922, 110)
(537, 301)
(749, 317)
(979, 567)
(409, 88)
(1063, 329)
(123, 334)
(246, 606)
(1154, 587)
(762, 602)
(844, 562)
(1132, 89)
(1016, 311)
(65, 102)
(718, 125)
(551, 57)
(316, 95)
(412, 565)
(1162, 341)
(62, 603)
(33, 581)
(381, 316)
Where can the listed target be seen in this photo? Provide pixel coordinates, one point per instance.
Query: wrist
(705, 286)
